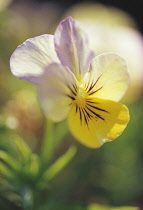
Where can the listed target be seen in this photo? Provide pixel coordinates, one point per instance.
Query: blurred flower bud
(22, 113)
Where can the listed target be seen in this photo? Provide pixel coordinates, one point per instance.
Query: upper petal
(108, 77)
(72, 46)
(29, 60)
(57, 89)
(98, 122)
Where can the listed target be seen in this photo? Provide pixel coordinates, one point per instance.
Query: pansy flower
(113, 30)
(74, 85)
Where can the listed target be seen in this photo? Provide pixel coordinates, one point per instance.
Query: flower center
(81, 93)
(81, 96)
(84, 104)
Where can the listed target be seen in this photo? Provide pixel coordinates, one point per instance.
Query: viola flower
(113, 30)
(74, 85)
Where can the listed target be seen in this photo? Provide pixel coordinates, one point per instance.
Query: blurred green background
(111, 175)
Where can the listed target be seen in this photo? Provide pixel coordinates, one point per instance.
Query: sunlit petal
(29, 60)
(108, 77)
(56, 91)
(72, 46)
(99, 121)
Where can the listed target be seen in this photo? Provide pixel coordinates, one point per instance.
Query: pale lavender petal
(29, 60)
(72, 46)
(57, 90)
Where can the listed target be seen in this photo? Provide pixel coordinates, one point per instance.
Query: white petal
(72, 46)
(29, 60)
(108, 77)
(56, 91)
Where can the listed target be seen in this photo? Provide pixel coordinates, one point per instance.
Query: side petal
(108, 77)
(57, 89)
(72, 46)
(29, 60)
(98, 122)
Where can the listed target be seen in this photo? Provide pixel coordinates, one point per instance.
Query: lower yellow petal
(99, 121)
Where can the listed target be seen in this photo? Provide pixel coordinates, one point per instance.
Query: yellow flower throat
(83, 103)
(81, 96)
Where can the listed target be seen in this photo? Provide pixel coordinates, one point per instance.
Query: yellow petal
(108, 77)
(99, 121)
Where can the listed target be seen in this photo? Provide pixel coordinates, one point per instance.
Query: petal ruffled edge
(29, 60)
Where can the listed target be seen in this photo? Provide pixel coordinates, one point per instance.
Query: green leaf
(125, 208)
(59, 206)
(5, 171)
(97, 207)
(24, 150)
(9, 160)
(59, 164)
(31, 168)
(34, 169)
(6, 185)
(102, 207)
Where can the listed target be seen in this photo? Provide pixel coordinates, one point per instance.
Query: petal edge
(29, 60)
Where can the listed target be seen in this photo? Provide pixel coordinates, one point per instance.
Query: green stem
(27, 199)
(61, 131)
(47, 149)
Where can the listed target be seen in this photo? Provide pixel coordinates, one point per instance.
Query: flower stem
(27, 199)
(47, 149)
